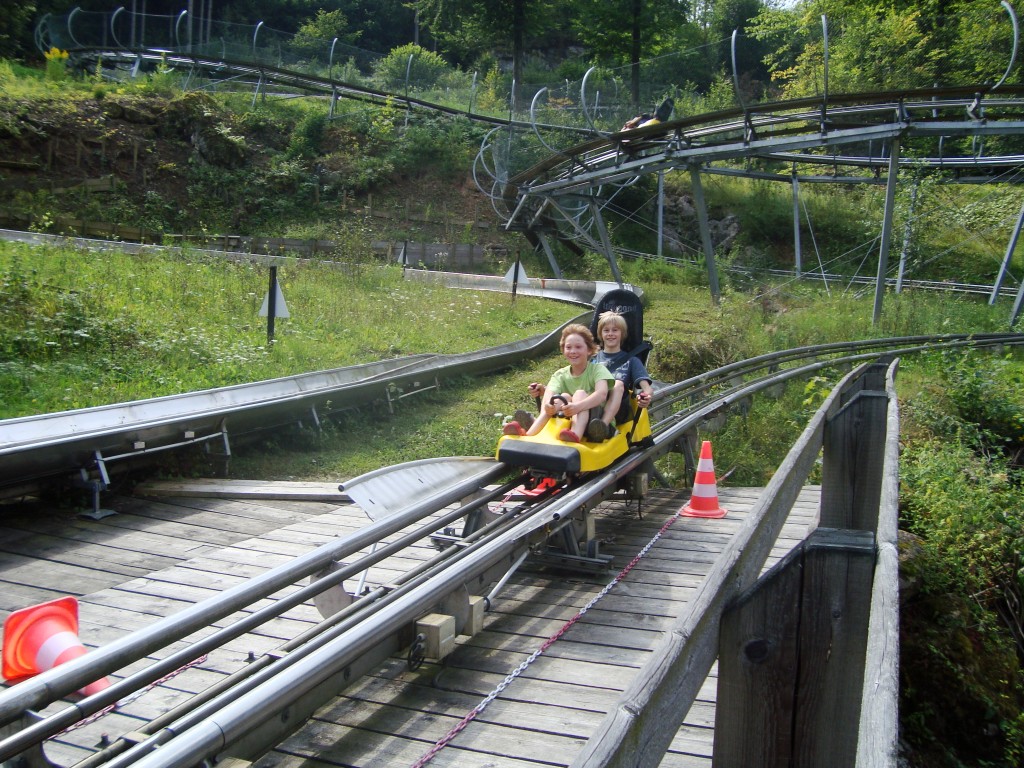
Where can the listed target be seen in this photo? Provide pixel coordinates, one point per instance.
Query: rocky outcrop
(682, 230)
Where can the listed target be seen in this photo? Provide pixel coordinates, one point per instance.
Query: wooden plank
(757, 661)
(14, 597)
(260, 512)
(95, 557)
(223, 529)
(835, 608)
(19, 569)
(118, 536)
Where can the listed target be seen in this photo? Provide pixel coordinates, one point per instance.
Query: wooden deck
(161, 553)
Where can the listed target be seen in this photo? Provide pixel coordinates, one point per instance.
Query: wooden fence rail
(808, 652)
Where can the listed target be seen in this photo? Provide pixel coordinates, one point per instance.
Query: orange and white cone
(41, 637)
(704, 499)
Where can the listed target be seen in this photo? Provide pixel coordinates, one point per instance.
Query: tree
(315, 36)
(467, 28)
(730, 16)
(620, 32)
(15, 28)
(424, 68)
(887, 44)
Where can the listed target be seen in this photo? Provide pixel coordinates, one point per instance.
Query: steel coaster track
(265, 75)
(805, 125)
(257, 706)
(846, 138)
(833, 278)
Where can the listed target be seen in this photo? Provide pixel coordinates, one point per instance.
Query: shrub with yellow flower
(56, 64)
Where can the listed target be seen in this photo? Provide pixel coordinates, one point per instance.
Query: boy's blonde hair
(611, 317)
(579, 330)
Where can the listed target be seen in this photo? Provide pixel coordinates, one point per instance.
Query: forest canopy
(872, 44)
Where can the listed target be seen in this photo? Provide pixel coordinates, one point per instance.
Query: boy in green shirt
(582, 385)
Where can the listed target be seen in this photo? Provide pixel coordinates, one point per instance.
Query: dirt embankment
(184, 164)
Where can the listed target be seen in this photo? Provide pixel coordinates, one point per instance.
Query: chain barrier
(445, 740)
(131, 697)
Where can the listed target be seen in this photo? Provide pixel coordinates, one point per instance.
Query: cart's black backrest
(627, 304)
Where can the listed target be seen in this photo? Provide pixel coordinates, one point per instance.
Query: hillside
(148, 156)
(172, 163)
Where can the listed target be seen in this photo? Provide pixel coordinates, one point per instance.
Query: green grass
(690, 336)
(81, 328)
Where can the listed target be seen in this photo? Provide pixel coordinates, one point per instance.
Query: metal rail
(255, 708)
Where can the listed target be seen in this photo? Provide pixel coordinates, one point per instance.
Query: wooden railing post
(791, 658)
(852, 455)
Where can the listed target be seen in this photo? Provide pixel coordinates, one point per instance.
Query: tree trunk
(634, 56)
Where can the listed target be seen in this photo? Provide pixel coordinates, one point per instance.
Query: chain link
(445, 740)
(132, 696)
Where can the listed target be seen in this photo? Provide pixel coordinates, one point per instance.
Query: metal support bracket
(394, 394)
(95, 485)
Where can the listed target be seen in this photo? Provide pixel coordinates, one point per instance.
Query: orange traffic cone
(704, 499)
(42, 636)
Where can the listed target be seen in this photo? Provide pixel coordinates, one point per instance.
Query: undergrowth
(81, 328)
(962, 633)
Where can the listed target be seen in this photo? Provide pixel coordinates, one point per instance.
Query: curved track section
(849, 139)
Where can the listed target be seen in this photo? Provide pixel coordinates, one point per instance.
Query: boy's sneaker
(513, 428)
(597, 431)
(523, 418)
(568, 436)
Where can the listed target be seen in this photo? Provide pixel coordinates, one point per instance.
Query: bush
(433, 143)
(962, 681)
(426, 70)
(308, 135)
(962, 638)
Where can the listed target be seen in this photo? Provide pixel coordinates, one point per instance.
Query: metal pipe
(705, 232)
(52, 724)
(272, 703)
(661, 211)
(583, 98)
(907, 231)
(71, 17)
(797, 252)
(1005, 265)
(113, 31)
(177, 29)
(533, 120)
(255, 32)
(883, 248)
(69, 677)
(824, 97)
(735, 71)
(504, 580)
(1016, 41)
